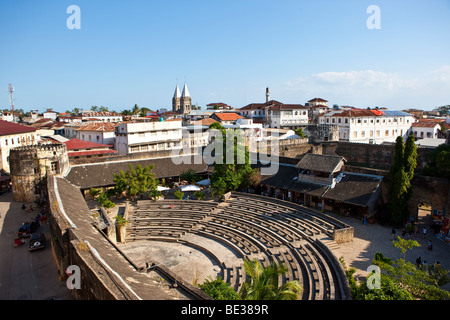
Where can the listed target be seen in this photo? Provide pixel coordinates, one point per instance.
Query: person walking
(424, 232)
(393, 234)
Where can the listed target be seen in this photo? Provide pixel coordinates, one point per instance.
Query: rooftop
(7, 128)
(81, 144)
(322, 163)
(98, 126)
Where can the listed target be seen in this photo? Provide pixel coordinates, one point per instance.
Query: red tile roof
(99, 126)
(423, 124)
(228, 116)
(7, 128)
(81, 144)
(204, 122)
(317, 100)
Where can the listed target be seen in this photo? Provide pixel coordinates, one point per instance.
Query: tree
(230, 174)
(94, 108)
(189, 175)
(300, 133)
(262, 283)
(219, 289)
(135, 110)
(199, 195)
(401, 174)
(404, 245)
(439, 162)
(136, 181)
(179, 194)
(443, 110)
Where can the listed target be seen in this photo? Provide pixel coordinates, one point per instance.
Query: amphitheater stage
(186, 259)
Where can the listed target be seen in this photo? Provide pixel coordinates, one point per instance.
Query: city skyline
(136, 52)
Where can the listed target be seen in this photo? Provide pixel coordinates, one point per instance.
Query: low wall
(343, 235)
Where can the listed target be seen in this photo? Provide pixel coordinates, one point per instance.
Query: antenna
(11, 90)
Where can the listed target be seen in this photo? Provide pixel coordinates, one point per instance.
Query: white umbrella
(205, 182)
(161, 188)
(189, 188)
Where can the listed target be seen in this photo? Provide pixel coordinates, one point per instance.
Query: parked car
(27, 229)
(37, 241)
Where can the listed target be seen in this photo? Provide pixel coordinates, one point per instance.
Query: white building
(100, 132)
(369, 126)
(425, 129)
(14, 135)
(50, 114)
(274, 114)
(104, 116)
(148, 136)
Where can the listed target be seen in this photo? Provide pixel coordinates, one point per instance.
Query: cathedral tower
(186, 101)
(176, 100)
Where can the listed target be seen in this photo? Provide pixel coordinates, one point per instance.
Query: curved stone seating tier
(252, 227)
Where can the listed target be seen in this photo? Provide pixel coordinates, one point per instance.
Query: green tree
(219, 290)
(439, 162)
(189, 175)
(199, 195)
(136, 181)
(401, 174)
(179, 194)
(417, 282)
(263, 283)
(230, 174)
(300, 133)
(135, 110)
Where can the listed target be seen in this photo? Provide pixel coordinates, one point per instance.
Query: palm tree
(262, 283)
(135, 110)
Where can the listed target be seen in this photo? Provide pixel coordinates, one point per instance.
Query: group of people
(423, 265)
(41, 216)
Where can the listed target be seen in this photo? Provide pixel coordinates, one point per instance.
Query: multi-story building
(274, 114)
(132, 137)
(14, 135)
(317, 106)
(369, 126)
(100, 132)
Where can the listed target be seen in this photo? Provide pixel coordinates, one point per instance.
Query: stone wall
(371, 155)
(30, 165)
(343, 235)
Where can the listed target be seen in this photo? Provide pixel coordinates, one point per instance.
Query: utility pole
(11, 90)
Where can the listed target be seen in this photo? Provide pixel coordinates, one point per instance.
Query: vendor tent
(190, 188)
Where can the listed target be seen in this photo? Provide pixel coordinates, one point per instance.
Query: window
(363, 134)
(371, 133)
(378, 133)
(355, 134)
(54, 167)
(386, 133)
(6, 141)
(346, 120)
(339, 120)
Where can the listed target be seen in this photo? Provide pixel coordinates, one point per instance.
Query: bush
(199, 195)
(219, 289)
(179, 194)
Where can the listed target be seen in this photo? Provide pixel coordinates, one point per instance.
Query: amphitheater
(206, 239)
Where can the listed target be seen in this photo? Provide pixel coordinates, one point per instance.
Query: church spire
(185, 91)
(177, 92)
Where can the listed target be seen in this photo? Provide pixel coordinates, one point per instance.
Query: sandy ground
(372, 238)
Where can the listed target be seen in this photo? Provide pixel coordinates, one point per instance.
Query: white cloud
(374, 88)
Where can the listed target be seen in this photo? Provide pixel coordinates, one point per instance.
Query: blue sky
(135, 52)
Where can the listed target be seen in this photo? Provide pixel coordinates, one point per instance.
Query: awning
(190, 188)
(205, 182)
